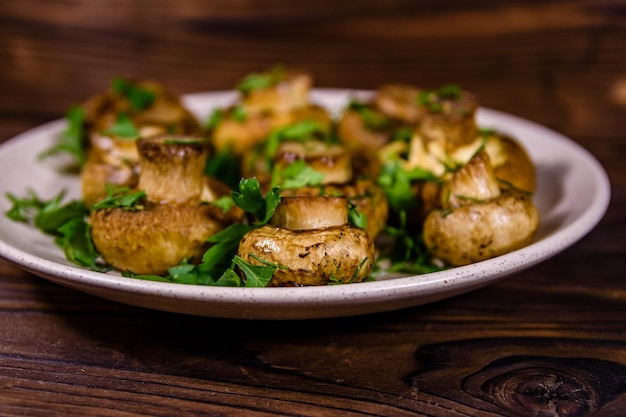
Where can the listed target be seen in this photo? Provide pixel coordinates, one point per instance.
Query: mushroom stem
(308, 213)
(172, 168)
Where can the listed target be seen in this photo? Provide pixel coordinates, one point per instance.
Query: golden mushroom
(311, 242)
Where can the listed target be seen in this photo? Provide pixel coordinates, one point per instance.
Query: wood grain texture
(548, 342)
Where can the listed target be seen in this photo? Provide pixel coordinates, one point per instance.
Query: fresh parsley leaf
(47, 216)
(229, 279)
(54, 215)
(219, 256)
(432, 99)
(372, 119)
(355, 217)
(121, 197)
(260, 81)
(72, 139)
(396, 184)
(296, 175)
(140, 98)
(403, 134)
(185, 273)
(251, 200)
(256, 275)
(24, 209)
(75, 239)
(225, 203)
(214, 119)
(486, 132)
(239, 113)
(123, 128)
(66, 221)
(297, 132)
(449, 92)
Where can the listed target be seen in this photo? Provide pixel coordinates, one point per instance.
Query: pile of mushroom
(477, 203)
(408, 159)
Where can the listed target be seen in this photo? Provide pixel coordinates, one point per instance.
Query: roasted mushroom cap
(515, 169)
(478, 220)
(400, 101)
(175, 221)
(321, 248)
(151, 240)
(450, 119)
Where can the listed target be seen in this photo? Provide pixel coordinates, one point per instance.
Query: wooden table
(550, 341)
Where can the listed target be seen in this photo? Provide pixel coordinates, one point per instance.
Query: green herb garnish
(240, 113)
(76, 242)
(296, 175)
(121, 197)
(256, 275)
(251, 200)
(260, 81)
(65, 221)
(372, 119)
(214, 119)
(123, 128)
(355, 217)
(72, 138)
(140, 98)
(432, 99)
(396, 184)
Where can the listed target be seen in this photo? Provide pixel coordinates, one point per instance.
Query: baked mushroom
(330, 172)
(174, 222)
(363, 129)
(449, 117)
(311, 242)
(268, 101)
(113, 122)
(478, 220)
(400, 101)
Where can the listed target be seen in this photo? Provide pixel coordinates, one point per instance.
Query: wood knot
(505, 377)
(542, 391)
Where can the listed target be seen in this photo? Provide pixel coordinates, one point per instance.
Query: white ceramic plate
(572, 196)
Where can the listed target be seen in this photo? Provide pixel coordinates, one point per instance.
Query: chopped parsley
(67, 222)
(214, 119)
(396, 183)
(251, 200)
(123, 128)
(296, 175)
(432, 99)
(239, 113)
(72, 139)
(121, 197)
(140, 98)
(372, 119)
(260, 81)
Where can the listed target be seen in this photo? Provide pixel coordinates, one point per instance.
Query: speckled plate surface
(572, 196)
